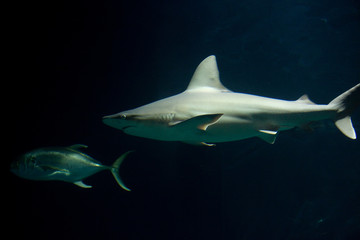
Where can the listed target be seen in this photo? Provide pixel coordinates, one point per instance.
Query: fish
(68, 164)
(207, 113)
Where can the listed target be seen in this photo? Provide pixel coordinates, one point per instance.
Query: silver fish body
(66, 164)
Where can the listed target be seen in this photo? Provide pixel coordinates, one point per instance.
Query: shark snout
(118, 121)
(118, 116)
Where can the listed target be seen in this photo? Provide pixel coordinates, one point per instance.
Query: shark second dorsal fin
(305, 99)
(206, 75)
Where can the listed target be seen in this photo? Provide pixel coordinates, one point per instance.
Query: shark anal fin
(81, 184)
(201, 122)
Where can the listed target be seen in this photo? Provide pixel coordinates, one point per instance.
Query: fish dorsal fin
(305, 99)
(206, 75)
(78, 147)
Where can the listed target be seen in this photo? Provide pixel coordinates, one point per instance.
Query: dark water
(81, 60)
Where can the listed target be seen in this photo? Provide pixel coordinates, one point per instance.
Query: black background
(76, 61)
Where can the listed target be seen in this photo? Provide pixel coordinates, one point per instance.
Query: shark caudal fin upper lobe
(115, 170)
(345, 104)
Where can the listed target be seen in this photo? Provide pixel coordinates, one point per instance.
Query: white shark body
(207, 112)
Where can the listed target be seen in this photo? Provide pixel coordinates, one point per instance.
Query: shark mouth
(126, 127)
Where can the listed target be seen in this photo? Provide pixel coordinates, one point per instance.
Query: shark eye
(123, 116)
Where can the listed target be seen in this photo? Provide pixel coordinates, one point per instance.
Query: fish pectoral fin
(56, 170)
(201, 122)
(81, 184)
(268, 136)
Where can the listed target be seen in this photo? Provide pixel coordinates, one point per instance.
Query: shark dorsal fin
(78, 147)
(206, 75)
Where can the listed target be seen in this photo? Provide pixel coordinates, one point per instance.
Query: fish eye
(32, 159)
(123, 116)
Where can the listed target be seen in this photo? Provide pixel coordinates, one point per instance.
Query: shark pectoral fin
(173, 123)
(201, 122)
(268, 136)
(81, 184)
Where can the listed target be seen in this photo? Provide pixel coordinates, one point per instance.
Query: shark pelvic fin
(201, 122)
(81, 184)
(271, 132)
(268, 136)
(201, 144)
(207, 75)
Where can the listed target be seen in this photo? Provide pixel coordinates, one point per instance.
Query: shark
(207, 113)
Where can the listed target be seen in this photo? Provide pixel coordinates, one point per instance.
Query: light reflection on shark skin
(207, 112)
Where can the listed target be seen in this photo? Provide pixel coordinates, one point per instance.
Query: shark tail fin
(115, 170)
(345, 104)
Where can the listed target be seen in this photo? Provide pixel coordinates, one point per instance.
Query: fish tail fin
(345, 104)
(115, 170)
